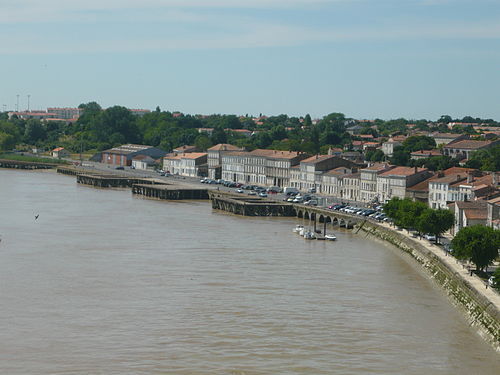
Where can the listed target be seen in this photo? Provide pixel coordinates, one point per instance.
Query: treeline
(418, 216)
(98, 129)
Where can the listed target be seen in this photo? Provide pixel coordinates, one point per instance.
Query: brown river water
(107, 283)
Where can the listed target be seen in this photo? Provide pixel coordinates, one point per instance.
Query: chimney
(469, 178)
(416, 170)
(494, 179)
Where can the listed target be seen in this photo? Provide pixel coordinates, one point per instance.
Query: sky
(365, 58)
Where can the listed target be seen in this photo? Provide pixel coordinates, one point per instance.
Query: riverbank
(468, 292)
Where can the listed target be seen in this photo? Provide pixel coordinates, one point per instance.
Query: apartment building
(464, 149)
(394, 182)
(312, 169)
(350, 186)
(368, 181)
(214, 157)
(439, 188)
(192, 164)
(331, 181)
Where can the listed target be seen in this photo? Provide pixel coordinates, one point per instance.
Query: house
(142, 161)
(354, 156)
(60, 152)
(464, 149)
(215, 158)
(389, 146)
(350, 187)
(368, 181)
(441, 190)
(234, 166)
(122, 155)
(207, 131)
(191, 164)
(331, 181)
(355, 129)
(468, 213)
(493, 213)
(312, 168)
(420, 191)
(394, 182)
(424, 154)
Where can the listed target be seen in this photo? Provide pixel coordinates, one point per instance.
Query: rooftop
(224, 147)
(403, 171)
(468, 144)
(128, 149)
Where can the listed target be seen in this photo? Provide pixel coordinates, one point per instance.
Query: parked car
(120, 168)
(430, 237)
(252, 193)
(312, 202)
(263, 194)
(239, 190)
(492, 281)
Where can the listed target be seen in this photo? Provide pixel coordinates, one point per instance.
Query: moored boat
(330, 237)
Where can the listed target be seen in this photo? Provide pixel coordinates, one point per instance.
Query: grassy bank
(31, 159)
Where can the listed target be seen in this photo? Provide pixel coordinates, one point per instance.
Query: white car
(239, 191)
(430, 237)
(491, 281)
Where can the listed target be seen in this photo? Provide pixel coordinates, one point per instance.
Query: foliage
(417, 143)
(485, 159)
(374, 155)
(435, 222)
(435, 163)
(478, 244)
(408, 214)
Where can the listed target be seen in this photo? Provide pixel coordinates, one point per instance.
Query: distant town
(447, 163)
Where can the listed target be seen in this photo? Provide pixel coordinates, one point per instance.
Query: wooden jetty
(249, 206)
(169, 192)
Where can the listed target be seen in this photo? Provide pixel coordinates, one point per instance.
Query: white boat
(309, 235)
(298, 228)
(302, 231)
(330, 237)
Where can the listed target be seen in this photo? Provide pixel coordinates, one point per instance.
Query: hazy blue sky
(365, 58)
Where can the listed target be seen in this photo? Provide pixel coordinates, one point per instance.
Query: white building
(191, 164)
(394, 182)
(368, 181)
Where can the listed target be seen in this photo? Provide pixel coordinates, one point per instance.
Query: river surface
(106, 283)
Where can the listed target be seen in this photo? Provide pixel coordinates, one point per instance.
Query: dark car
(120, 168)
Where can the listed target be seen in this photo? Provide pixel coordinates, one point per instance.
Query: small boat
(298, 228)
(309, 235)
(330, 237)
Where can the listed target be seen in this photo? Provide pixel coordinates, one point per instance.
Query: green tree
(400, 156)
(34, 132)
(435, 222)
(7, 141)
(417, 143)
(202, 142)
(307, 121)
(478, 244)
